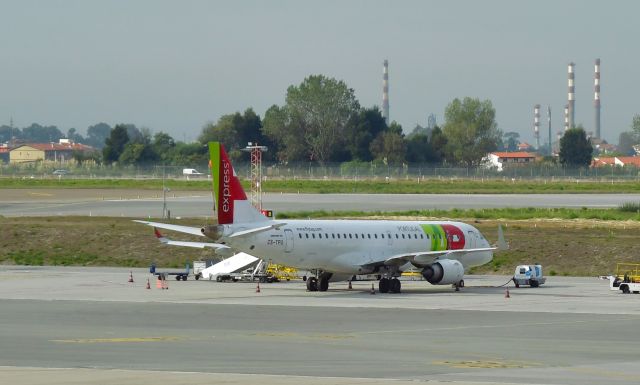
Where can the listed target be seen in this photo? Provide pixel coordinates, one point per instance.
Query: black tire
(304, 278)
(625, 289)
(534, 283)
(383, 285)
(394, 285)
(218, 279)
(323, 285)
(197, 277)
(177, 277)
(312, 284)
(517, 285)
(461, 283)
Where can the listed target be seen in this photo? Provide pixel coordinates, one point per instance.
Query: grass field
(564, 247)
(402, 186)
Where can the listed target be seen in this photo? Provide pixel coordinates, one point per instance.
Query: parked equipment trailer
(626, 279)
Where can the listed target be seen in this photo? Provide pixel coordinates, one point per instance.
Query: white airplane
(339, 249)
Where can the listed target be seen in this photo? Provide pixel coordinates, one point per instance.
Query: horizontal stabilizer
(200, 245)
(178, 228)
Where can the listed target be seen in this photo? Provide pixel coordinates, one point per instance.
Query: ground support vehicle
(626, 279)
(529, 275)
(180, 275)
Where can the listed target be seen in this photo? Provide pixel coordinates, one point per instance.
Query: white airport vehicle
(529, 275)
(626, 279)
(191, 172)
(339, 249)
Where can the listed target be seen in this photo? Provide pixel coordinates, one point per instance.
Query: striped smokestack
(572, 95)
(385, 91)
(596, 97)
(566, 117)
(536, 124)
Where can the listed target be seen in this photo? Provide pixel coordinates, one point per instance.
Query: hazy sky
(174, 65)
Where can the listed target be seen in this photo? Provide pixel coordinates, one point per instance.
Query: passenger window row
(360, 236)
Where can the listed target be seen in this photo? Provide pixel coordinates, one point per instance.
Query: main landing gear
(389, 285)
(321, 283)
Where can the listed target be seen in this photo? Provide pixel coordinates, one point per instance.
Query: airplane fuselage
(348, 246)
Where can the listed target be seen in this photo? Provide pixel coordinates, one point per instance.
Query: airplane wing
(427, 257)
(200, 245)
(178, 228)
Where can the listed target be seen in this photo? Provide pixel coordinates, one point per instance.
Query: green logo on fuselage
(436, 234)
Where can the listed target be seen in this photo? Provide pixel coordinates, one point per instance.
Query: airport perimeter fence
(343, 171)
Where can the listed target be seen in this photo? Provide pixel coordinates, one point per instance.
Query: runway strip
(199, 204)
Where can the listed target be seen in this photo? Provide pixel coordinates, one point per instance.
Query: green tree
(389, 146)
(471, 130)
(41, 134)
(115, 143)
(97, 135)
(363, 127)
(290, 142)
(513, 140)
(318, 110)
(635, 126)
(74, 136)
(235, 131)
(438, 142)
(163, 145)
(626, 141)
(575, 149)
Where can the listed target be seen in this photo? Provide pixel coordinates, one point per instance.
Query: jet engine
(214, 232)
(444, 272)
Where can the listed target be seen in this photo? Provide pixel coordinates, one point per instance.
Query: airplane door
(389, 239)
(288, 240)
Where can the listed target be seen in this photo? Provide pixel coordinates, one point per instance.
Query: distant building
(4, 153)
(47, 152)
(500, 160)
(524, 147)
(622, 161)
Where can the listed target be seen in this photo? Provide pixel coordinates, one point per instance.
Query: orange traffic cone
(159, 283)
(130, 277)
(258, 288)
(506, 293)
(373, 289)
(148, 284)
(350, 287)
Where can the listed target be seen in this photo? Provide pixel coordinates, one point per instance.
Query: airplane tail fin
(502, 244)
(232, 205)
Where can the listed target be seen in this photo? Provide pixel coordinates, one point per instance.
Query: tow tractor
(529, 275)
(626, 279)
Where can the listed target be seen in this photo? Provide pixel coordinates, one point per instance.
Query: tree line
(320, 121)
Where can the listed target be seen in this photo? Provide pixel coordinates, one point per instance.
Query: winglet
(502, 244)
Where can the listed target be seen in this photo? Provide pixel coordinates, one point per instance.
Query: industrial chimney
(596, 97)
(536, 124)
(549, 124)
(571, 96)
(385, 91)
